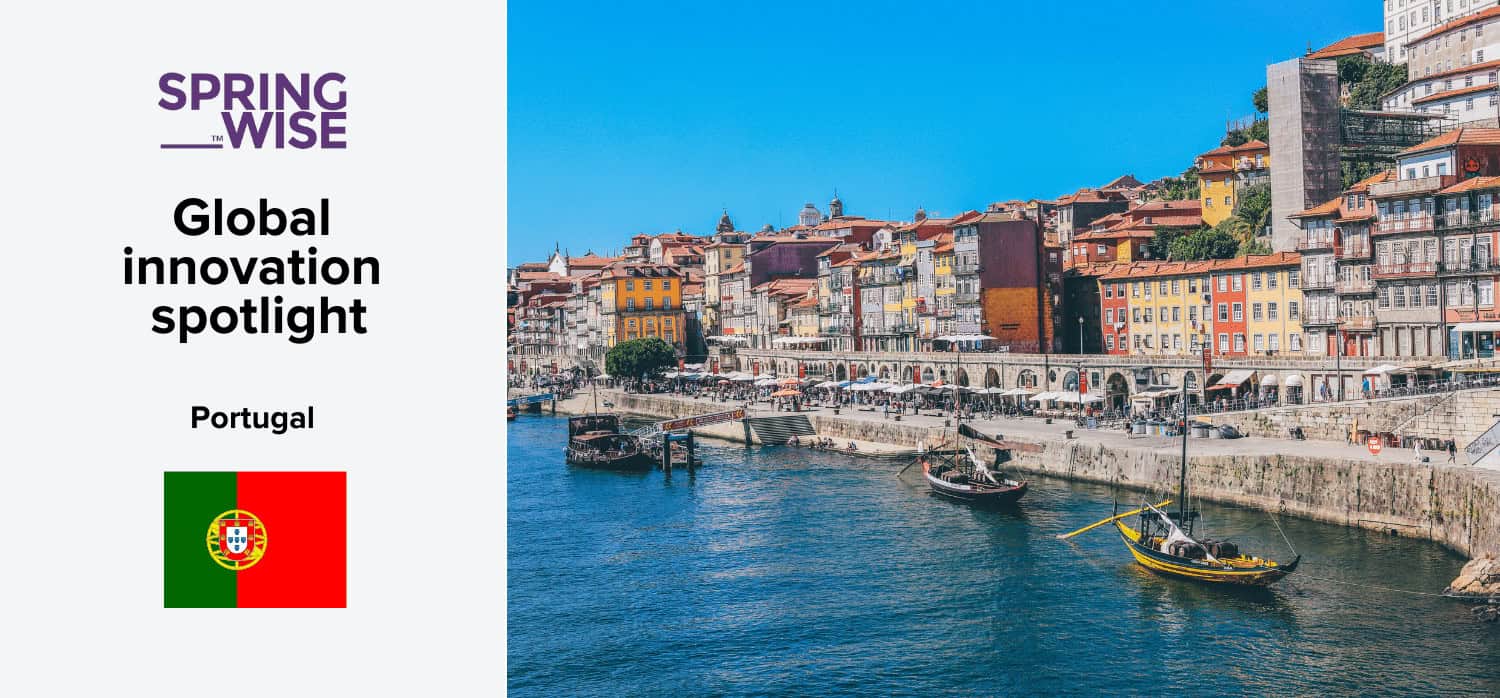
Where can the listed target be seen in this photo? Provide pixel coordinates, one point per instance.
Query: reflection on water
(783, 570)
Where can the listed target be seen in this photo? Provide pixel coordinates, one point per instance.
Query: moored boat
(976, 485)
(1163, 542)
(595, 441)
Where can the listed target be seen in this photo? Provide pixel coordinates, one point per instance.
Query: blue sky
(650, 117)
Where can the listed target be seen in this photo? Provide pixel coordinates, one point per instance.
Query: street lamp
(1080, 334)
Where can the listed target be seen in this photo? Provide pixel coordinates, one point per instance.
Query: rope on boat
(1283, 533)
(1373, 586)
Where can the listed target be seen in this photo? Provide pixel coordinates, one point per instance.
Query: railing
(1385, 271)
(1356, 286)
(966, 298)
(1354, 251)
(1317, 283)
(1310, 319)
(1405, 224)
(1359, 323)
(1473, 266)
(965, 268)
(1320, 243)
(1459, 219)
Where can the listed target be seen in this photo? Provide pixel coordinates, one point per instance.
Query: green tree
(638, 357)
(1254, 206)
(1261, 98)
(1204, 243)
(1161, 242)
(1365, 81)
(1183, 188)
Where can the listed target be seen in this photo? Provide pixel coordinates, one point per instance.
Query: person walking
(1452, 452)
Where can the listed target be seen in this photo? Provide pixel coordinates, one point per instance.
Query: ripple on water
(778, 570)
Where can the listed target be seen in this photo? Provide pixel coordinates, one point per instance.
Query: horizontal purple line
(191, 146)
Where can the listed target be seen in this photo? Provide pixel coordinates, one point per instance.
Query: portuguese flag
(254, 539)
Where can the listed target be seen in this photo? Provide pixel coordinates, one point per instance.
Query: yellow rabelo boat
(1163, 541)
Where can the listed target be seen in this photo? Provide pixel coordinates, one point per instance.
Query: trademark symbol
(217, 138)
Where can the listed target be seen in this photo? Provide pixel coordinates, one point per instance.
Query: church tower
(725, 225)
(835, 207)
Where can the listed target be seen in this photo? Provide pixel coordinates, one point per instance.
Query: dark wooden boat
(976, 484)
(595, 441)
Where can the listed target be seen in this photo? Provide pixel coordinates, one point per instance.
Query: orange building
(642, 300)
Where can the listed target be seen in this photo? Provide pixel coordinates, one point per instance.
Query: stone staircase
(777, 430)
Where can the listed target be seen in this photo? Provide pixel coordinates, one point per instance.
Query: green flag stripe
(193, 579)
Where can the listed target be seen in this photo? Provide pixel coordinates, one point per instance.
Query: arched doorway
(885, 373)
(906, 374)
(1116, 391)
(1070, 382)
(963, 378)
(927, 376)
(992, 378)
(839, 373)
(1026, 378)
(1190, 381)
(863, 372)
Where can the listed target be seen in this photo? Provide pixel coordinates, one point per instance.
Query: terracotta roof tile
(1459, 92)
(1350, 45)
(1458, 23)
(1465, 135)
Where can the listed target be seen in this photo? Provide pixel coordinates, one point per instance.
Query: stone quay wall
(1462, 416)
(1456, 506)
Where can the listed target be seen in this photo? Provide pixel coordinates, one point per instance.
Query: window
(1109, 316)
(1223, 284)
(1468, 106)
(1274, 342)
(1383, 298)
(1109, 342)
(629, 285)
(1294, 341)
(1176, 287)
(1294, 278)
(1432, 295)
(1109, 290)
(1223, 312)
(666, 304)
(1255, 311)
(1147, 314)
(1271, 279)
(1103, 249)
(1192, 285)
(1258, 342)
(1239, 342)
(646, 285)
(1487, 292)
(1162, 287)
(630, 304)
(1239, 281)
(1255, 281)
(1478, 58)
(1135, 290)
(1176, 313)
(1164, 341)
(1399, 297)
(1270, 311)
(1223, 342)
(1193, 313)
(1135, 314)
(1239, 312)
(1468, 81)
(1291, 310)
(666, 285)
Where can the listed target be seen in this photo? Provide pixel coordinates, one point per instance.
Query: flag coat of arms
(254, 539)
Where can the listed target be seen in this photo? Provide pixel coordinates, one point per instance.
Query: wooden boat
(510, 413)
(595, 441)
(1163, 542)
(1160, 545)
(976, 485)
(957, 473)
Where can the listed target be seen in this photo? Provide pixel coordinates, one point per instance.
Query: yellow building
(1273, 300)
(943, 284)
(1224, 171)
(1156, 308)
(642, 300)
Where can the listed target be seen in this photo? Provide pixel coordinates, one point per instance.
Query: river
(787, 571)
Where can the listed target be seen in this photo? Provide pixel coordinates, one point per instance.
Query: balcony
(1358, 324)
(1397, 271)
(1407, 187)
(1249, 164)
(1356, 286)
(1354, 251)
(1316, 244)
(1313, 320)
(1406, 223)
(1472, 266)
(1315, 283)
(965, 298)
(1464, 219)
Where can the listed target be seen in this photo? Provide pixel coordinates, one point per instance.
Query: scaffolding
(1376, 137)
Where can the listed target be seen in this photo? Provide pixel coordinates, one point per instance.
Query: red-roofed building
(1416, 37)
(1077, 210)
(1371, 44)
(1225, 171)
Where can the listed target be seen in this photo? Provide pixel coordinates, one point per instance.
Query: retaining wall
(1462, 416)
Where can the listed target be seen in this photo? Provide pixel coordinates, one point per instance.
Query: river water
(787, 571)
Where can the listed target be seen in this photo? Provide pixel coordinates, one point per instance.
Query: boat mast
(1182, 476)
